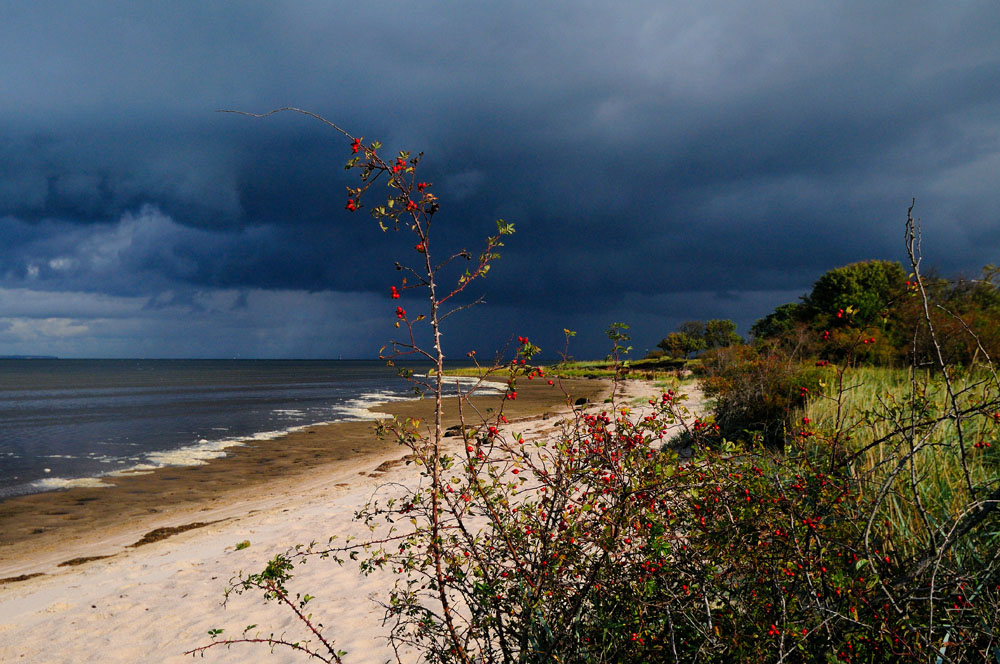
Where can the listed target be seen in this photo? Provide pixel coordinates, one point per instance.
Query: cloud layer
(661, 161)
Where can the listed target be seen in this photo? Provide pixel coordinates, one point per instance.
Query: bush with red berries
(600, 543)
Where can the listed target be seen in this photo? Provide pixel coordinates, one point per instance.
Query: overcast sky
(662, 161)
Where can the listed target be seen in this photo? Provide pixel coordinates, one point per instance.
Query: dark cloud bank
(662, 161)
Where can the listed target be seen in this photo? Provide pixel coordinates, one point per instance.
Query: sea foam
(358, 409)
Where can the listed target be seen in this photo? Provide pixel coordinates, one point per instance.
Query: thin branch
(290, 109)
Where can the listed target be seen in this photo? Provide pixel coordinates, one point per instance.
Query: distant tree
(679, 344)
(864, 296)
(695, 335)
(985, 291)
(693, 328)
(959, 306)
(867, 286)
(720, 333)
(780, 321)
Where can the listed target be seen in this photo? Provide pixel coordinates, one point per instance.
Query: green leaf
(504, 228)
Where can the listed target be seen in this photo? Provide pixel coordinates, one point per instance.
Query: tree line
(875, 299)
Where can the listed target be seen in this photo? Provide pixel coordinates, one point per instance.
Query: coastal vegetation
(647, 368)
(693, 336)
(839, 505)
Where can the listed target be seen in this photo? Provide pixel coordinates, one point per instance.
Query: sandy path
(153, 602)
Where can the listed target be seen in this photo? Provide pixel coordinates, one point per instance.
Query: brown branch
(913, 251)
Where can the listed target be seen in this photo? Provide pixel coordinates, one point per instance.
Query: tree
(693, 328)
(867, 287)
(695, 335)
(679, 344)
(720, 333)
(778, 322)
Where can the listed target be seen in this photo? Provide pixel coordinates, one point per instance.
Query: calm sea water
(70, 422)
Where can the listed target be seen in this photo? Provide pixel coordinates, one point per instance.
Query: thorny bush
(598, 543)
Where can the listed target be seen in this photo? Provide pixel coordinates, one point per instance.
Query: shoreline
(158, 600)
(245, 401)
(43, 533)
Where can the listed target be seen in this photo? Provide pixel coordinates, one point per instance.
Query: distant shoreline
(39, 531)
(73, 421)
(154, 592)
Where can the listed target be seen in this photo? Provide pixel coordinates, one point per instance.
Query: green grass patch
(919, 446)
(667, 373)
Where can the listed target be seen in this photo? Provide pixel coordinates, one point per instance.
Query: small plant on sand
(597, 543)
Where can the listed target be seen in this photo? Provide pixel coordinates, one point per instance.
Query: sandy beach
(137, 572)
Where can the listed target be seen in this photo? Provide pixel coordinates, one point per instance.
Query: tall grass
(894, 424)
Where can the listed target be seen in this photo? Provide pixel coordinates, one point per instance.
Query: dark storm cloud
(718, 156)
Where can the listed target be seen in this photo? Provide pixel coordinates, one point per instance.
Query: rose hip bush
(596, 542)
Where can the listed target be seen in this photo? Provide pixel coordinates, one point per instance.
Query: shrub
(757, 393)
(596, 544)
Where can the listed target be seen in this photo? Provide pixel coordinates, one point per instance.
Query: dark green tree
(780, 321)
(679, 344)
(693, 328)
(867, 286)
(720, 332)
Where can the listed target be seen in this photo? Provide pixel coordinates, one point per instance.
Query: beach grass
(666, 373)
(881, 404)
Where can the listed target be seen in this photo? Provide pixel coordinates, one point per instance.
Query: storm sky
(661, 161)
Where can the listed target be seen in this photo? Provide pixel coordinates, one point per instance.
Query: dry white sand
(150, 604)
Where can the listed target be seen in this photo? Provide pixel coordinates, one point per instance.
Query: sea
(66, 423)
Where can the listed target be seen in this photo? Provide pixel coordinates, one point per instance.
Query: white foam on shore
(140, 469)
(203, 451)
(492, 385)
(358, 409)
(51, 483)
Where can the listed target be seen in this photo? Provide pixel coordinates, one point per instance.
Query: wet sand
(40, 532)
